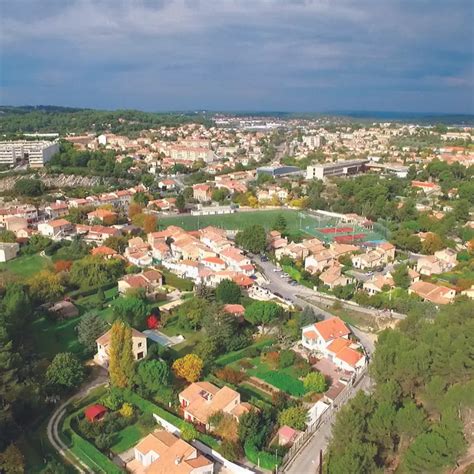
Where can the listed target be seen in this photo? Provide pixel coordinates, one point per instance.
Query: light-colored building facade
(37, 153)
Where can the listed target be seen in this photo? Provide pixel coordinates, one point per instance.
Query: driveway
(330, 370)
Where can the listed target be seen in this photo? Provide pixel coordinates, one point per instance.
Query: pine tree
(121, 355)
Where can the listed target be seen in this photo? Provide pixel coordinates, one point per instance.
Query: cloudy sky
(320, 55)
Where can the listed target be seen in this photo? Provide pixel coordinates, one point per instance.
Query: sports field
(236, 221)
(326, 229)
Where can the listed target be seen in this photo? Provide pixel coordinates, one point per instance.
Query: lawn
(191, 337)
(238, 220)
(26, 265)
(128, 437)
(279, 378)
(51, 337)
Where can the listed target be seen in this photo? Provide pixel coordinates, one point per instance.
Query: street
(299, 295)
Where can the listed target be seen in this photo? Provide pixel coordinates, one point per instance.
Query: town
(205, 296)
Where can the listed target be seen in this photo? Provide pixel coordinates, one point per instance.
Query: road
(55, 421)
(300, 294)
(307, 460)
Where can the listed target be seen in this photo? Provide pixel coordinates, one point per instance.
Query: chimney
(178, 460)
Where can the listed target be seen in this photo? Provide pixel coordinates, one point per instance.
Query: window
(139, 344)
(140, 355)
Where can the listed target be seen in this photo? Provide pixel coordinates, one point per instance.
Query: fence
(328, 414)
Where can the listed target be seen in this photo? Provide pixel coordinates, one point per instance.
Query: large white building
(338, 168)
(314, 141)
(37, 153)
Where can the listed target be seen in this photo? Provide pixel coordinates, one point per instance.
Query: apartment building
(37, 153)
(338, 168)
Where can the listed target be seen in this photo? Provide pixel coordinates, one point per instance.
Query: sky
(239, 55)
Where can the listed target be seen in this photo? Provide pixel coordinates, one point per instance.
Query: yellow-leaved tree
(188, 367)
(121, 355)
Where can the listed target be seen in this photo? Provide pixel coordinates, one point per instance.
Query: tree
(120, 355)
(150, 222)
(315, 382)
(228, 292)
(262, 313)
(432, 243)
(151, 375)
(280, 223)
(287, 358)
(307, 317)
(65, 371)
(188, 432)
(400, 276)
(219, 195)
(45, 286)
(15, 309)
(132, 310)
(134, 209)
(117, 243)
(93, 271)
(252, 238)
(12, 460)
(191, 313)
(29, 187)
(188, 367)
(181, 202)
(295, 417)
(90, 327)
(410, 420)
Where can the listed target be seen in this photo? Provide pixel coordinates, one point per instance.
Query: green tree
(432, 244)
(132, 310)
(90, 327)
(410, 420)
(65, 371)
(180, 202)
(262, 313)
(191, 313)
(121, 355)
(92, 271)
(315, 382)
(228, 292)
(400, 276)
(45, 286)
(152, 375)
(252, 238)
(188, 432)
(29, 187)
(280, 223)
(219, 194)
(295, 417)
(15, 309)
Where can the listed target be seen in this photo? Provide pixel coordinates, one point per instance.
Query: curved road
(58, 414)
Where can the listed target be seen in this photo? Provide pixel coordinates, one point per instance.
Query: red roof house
(95, 412)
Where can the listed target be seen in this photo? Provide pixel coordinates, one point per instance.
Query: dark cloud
(239, 54)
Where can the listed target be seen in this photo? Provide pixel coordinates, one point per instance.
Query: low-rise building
(8, 251)
(437, 294)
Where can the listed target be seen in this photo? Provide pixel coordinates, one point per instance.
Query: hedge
(262, 459)
(91, 291)
(231, 357)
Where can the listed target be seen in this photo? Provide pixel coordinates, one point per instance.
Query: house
(202, 192)
(56, 210)
(296, 251)
(56, 229)
(276, 241)
(8, 251)
(448, 257)
(15, 223)
(235, 309)
(104, 251)
(372, 259)
(200, 400)
(95, 412)
(139, 347)
(102, 216)
(377, 283)
(287, 435)
(167, 184)
(331, 338)
(64, 310)
(149, 280)
(437, 294)
(161, 452)
(319, 261)
(333, 277)
(214, 263)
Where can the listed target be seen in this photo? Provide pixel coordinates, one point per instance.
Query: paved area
(330, 370)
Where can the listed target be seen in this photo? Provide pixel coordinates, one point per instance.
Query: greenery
(121, 355)
(262, 313)
(415, 418)
(90, 327)
(252, 238)
(65, 372)
(228, 292)
(295, 417)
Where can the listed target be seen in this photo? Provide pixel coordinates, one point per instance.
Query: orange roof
(332, 328)
(242, 280)
(310, 335)
(349, 356)
(103, 250)
(338, 344)
(234, 309)
(216, 260)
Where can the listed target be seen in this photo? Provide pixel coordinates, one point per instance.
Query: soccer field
(236, 221)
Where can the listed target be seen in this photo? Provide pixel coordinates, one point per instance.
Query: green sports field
(236, 221)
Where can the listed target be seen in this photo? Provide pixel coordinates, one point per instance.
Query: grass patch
(280, 378)
(191, 337)
(128, 438)
(51, 337)
(25, 266)
(239, 220)
(175, 281)
(249, 391)
(232, 357)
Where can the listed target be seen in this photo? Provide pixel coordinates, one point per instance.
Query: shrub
(230, 375)
(127, 410)
(295, 417)
(188, 432)
(103, 441)
(147, 420)
(315, 382)
(287, 359)
(301, 368)
(273, 358)
(245, 364)
(231, 450)
(113, 400)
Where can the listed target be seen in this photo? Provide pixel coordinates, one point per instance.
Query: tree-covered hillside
(14, 120)
(418, 418)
